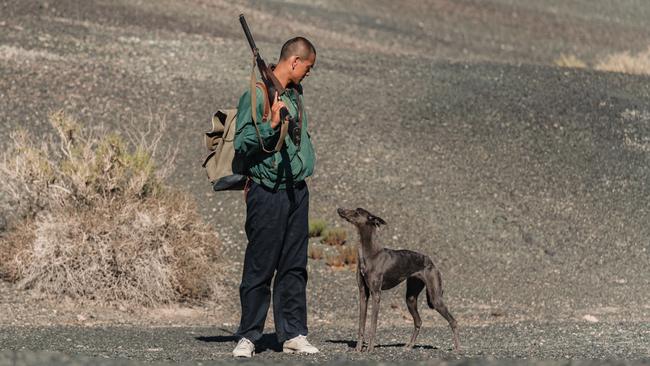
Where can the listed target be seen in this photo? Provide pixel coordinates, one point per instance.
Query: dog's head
(360, 217)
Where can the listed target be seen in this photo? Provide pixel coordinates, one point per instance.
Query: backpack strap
(267, 109)
(284, 128)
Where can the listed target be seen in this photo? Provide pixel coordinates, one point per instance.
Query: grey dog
(382, 269)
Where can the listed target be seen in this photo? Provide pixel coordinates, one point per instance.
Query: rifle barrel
(271, 82)
(249, 36)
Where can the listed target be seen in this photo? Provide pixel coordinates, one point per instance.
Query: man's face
(302, 67)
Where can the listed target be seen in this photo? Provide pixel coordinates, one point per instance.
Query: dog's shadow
(353, 344)
(266, 343)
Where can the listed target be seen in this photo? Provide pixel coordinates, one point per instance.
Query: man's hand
(278, 104)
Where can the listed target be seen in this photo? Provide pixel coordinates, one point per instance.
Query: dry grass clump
(91, 218)
(315, 253)
(627, 63)
(570, 61)
(334, 237)
(620, 62)
(346, 256)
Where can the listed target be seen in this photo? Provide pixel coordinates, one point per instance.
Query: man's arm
(246, 140)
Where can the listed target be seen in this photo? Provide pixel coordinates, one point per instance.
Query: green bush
(316, 227)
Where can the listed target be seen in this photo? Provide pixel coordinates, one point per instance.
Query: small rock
(590, 318)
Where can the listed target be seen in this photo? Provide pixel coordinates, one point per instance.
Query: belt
(298, 185)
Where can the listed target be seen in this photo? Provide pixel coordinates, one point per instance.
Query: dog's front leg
(375, 292)
(363, 309)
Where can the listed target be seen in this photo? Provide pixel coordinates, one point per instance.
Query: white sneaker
(298, 344)
(244, 348)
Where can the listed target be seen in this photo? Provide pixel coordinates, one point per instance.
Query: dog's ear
(372, 219)
(363, 212)
(375, 220)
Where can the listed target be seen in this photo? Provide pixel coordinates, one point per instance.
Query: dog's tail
(434, 286)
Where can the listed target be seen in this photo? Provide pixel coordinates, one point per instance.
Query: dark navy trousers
(277, 229)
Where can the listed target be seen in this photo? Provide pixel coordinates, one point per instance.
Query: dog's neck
(368, 246)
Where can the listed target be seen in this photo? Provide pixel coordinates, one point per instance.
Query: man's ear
(294, 61)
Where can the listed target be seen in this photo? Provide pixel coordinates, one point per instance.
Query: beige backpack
(225, 168)
(224, 171)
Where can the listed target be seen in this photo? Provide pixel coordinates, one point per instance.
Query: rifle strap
(284, 128)
(299, 105)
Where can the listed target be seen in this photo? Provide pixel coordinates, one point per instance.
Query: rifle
(272, 85)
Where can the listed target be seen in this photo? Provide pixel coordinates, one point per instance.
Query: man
(277, 205)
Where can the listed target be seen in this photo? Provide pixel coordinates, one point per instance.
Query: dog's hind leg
(434, 300)
(414, 286)
(364, 293)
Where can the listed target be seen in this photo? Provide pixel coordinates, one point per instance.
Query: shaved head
(298, 46)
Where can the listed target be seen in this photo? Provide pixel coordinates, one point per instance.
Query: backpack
(226, 170)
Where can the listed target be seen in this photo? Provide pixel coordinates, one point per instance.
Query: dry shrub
(78, 170)
(334, 237)
(14, 247)
(91, 218)
(570, 61)
(627, 63)
(346, 256)
(142, 252)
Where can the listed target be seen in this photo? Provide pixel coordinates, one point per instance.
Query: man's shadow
(267, 342)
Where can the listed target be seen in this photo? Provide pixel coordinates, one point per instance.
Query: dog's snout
(344, 213)
(341, 212)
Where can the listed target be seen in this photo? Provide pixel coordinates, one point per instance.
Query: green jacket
(273, 170)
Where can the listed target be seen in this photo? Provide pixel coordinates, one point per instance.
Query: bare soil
(527, 183)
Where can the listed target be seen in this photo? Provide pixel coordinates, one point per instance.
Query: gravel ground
(523, 340)
(55, 359)
(526, 182)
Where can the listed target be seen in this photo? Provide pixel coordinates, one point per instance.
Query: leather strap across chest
(284, 127)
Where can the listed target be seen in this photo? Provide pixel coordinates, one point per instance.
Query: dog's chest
(367, 269)
(363, 268)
